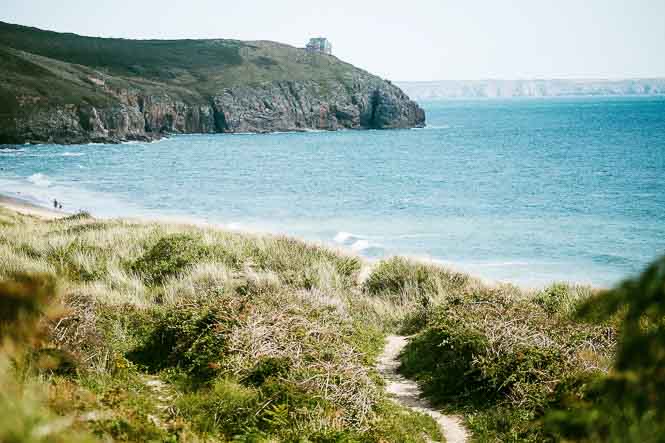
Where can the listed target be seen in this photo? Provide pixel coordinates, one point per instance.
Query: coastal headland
(65, 88)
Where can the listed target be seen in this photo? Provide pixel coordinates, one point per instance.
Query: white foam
(72, 154)
(234, 226)
(11, 150)
(343, 237)
(359, 245)
(40, 180)
(499, 264)
(163, 139)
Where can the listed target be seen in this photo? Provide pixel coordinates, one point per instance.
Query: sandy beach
(25, 207)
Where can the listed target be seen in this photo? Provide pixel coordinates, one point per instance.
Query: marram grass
(251, 338)
(164, 332)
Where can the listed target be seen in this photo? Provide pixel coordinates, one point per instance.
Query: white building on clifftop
(319, 44)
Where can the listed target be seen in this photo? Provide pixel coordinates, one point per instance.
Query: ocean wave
(432, 127)
(40, 180)
(500, 264)
(235, 226)
(43, 154)
(164, 139)
(360, 245)
(357, 243)
(343, 237)
(11, 150)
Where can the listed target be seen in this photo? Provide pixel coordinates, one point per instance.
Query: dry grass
(239, 308)
(269, 337)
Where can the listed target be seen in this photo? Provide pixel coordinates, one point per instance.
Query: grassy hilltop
(125, 331)
(186, 69)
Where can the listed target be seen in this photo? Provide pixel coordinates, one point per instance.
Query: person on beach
(55, 204)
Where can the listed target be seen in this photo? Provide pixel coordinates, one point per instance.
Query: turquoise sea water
(528, 191)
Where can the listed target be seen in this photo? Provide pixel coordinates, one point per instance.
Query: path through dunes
(406, 392)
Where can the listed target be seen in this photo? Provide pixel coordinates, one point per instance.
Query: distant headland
(436, 90)
(66, 88)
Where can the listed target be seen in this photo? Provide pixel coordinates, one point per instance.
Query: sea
(528, 191)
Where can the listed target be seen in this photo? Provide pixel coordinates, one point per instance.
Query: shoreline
(26, 207)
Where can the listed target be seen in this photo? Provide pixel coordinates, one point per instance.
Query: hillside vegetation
(202, 67)
(126, 331)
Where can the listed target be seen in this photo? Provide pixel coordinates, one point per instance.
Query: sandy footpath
(406, 392)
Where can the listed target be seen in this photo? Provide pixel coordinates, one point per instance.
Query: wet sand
(27, 208)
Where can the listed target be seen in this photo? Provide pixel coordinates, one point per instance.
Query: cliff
(65, 88)
(444, 89)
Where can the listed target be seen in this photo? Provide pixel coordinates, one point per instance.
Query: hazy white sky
(399, 40)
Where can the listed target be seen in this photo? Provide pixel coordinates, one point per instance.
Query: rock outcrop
(277, 106)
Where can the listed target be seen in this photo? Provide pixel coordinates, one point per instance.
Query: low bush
(188, 338)
(170, 256)
(499, 357)
(401, 277)
(227, 408)
(561, 298)
(78, 261)
(627, 404)
(26, 301)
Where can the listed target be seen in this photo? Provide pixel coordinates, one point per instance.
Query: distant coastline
(447, 89)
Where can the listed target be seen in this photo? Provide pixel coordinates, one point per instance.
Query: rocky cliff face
(276, 106)
(293, 106)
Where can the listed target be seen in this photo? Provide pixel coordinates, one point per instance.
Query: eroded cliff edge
(63, 88)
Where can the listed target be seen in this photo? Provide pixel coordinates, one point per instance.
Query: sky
(399, 40)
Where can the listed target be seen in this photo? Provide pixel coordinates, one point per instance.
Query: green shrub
(24, 300)
(297, 262)
(502, 362)
(268, 367)
(170, 256)
(189, 338)
(397, 274)
(629, 402)
(25, 416)
(79, 261)
(561, 298)
(399, 277)
(442, 358)
(81, 215)
(392, 423)
(26, 305)
(227, 408)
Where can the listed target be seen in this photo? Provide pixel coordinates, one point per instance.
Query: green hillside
(201, 65)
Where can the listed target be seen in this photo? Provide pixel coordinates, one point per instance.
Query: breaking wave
(40, 180)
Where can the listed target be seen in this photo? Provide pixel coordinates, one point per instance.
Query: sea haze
(520, 190)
